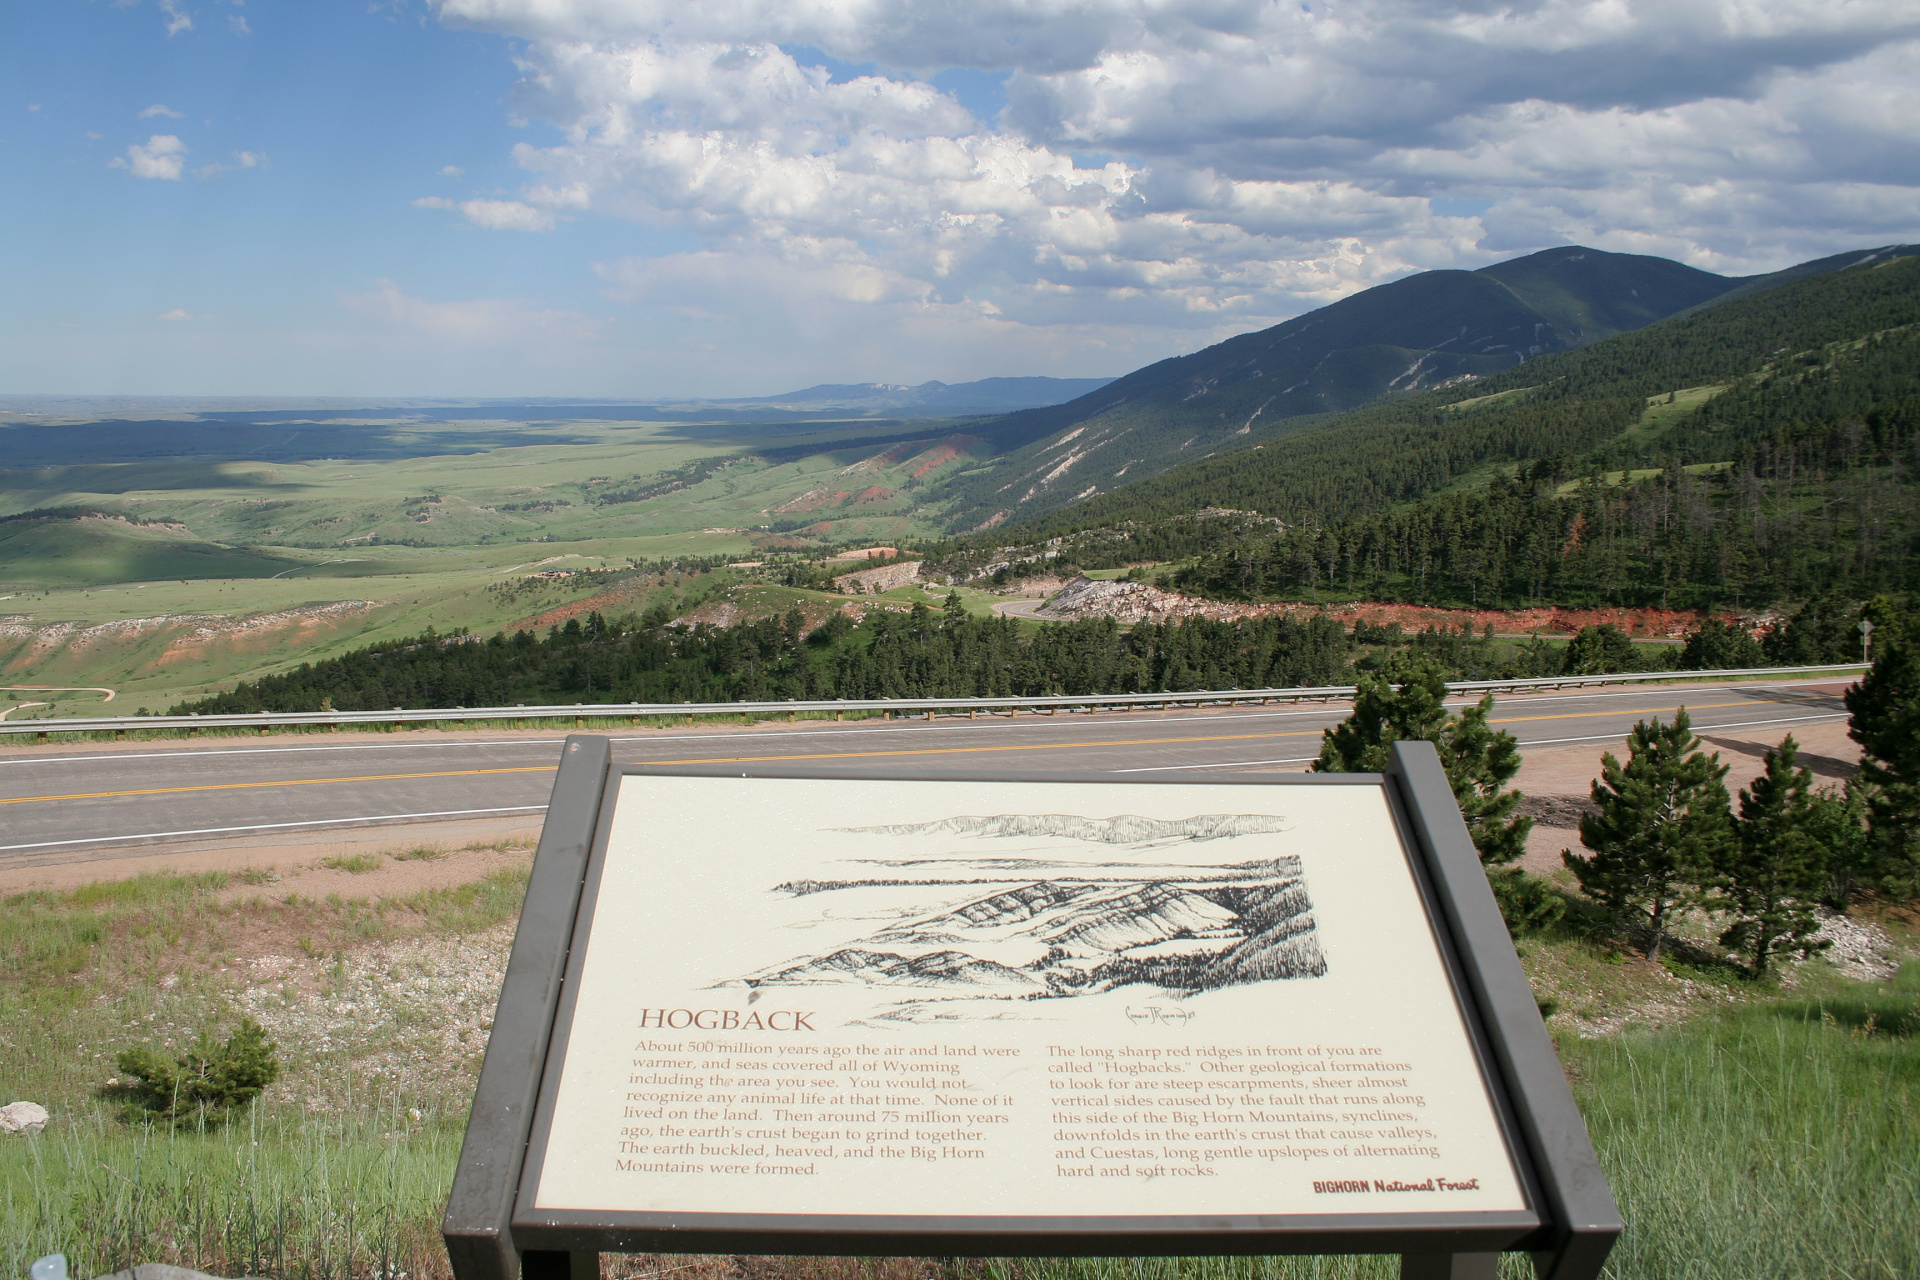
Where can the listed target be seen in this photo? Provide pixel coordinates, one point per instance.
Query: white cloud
(238, 25)
(241, 160)
(495, 215)
(484, 321)
(178, 19)
(452, 171)
(160, 109)
(175, 314)
(161, 156)
(1201, 168)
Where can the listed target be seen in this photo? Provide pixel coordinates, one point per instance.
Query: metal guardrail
(634, 712)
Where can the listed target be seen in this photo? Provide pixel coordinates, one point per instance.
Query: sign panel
(1000, 999)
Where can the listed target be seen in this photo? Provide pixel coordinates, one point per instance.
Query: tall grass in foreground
(1781, 1140)
(1773, 1141)
(313, 1198)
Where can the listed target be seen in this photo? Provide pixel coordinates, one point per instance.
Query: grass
(354, 864)
(1757, 1133)
(1776, 1140)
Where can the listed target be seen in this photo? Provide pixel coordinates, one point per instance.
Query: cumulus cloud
(1205, 168)
(175, 314)
(452, 171)
(160, 156)
(178, 19)
(495, 215)
(160, 109)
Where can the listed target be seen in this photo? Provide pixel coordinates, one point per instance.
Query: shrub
(1720, 646)
(209, 1082)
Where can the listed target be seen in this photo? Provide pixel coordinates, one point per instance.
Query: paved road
(58, 802)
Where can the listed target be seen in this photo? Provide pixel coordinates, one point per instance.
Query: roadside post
(797, 1011)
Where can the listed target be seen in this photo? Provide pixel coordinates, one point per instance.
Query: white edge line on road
(533, 808)
(1224, 764)
(271, 826)
(1036, 722)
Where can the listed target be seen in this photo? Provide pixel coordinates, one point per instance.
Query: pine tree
(1662, 828)
(1597, 650)
(1480, 761)
(1777, 866)
(1885, 720)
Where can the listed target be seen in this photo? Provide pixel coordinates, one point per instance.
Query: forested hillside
(1810, 488)
(1567, 405)
(1425, 331)
(925, 653)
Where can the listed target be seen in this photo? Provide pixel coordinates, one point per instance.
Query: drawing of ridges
(950, 969)
(1011, 907)
(1133, 916)
(1125, 828)
(1277, 940)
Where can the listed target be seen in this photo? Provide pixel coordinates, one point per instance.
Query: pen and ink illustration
(959, 936)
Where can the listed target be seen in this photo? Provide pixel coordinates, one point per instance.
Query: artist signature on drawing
(1156, 1016)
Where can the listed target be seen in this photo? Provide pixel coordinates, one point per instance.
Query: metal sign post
(1043, 1014)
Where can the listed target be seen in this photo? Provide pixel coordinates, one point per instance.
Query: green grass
(89, 552)
(1770, 1137)
(349, 1195)
(1774, 1141)
(354, 864)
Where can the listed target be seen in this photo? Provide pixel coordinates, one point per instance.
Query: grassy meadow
(1758, 1132)
(210, 569)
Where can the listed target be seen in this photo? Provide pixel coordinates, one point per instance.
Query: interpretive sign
(1044, 1014)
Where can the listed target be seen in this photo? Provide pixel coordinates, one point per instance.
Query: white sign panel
(1001, 999)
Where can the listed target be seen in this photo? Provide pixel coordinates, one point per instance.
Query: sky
(637, 198)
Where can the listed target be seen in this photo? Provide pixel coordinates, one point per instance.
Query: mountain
(1432, 330)
(1782, 423)
(928, 400)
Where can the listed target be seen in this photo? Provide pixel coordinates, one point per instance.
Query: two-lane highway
(57, 802)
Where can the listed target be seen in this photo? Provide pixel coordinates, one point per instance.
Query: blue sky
(631, 198)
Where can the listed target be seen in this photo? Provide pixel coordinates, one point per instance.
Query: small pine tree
(1885, 720)
(1839, 823)
(1480, 761)
(208, 1082)
(1777, 867)
(1661, 832)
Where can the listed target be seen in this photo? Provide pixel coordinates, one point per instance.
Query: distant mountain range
(928, 400)
(1434, 329)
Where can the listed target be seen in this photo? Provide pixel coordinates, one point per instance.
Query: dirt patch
(297, 863)
(1132, 602)
(1558, 781)
(953, 447)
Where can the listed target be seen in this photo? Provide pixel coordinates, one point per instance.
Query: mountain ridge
(1428, 330)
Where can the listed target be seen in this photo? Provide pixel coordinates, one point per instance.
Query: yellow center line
(823, 755)
(1133, 742)
(285, 782)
